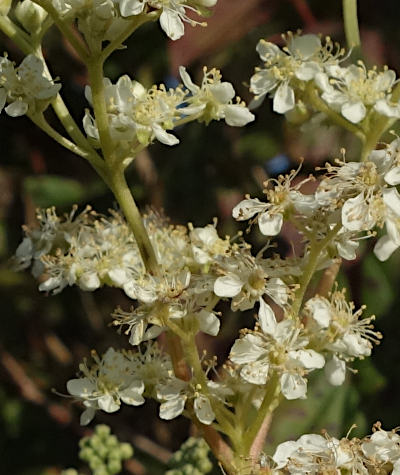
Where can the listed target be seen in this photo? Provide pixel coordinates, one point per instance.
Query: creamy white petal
(283, 99)
(247, 208)
(384, 248)
(293, 386)
(354, 111)
(208, 322)
(172, 24)
(237, 116)
(203, 410)
(270, 224)
(335, 371)
(266, 318)
(228, 285)
(172, 408)
(107, 403)
(133, 394)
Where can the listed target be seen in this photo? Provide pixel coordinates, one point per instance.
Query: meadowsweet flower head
(276, 347)
(214, 99)
(354, 91)
(25, 88)
(287, 71)
(334, 327)
(107, 383)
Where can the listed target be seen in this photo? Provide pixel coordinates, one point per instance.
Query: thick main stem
(128, 206)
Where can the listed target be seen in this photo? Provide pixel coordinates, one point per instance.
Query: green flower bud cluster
(191, 458)
(103, 452)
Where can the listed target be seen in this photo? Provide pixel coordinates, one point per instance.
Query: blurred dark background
(44, 338)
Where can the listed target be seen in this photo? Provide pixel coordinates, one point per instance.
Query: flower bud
(5, 7)
(30, 15)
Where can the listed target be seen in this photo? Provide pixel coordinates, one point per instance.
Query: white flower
(334, 327)
(383, 447)
(175, 392)
(213, 100)
(110, 381)
(25, 88)
(354, 91)
(283, 199)
(280, 348)
(245, 281)
(286, 70)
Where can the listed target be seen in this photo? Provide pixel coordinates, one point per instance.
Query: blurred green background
(44, 338)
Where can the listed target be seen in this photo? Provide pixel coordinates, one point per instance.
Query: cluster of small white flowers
(305, 63)
(276, 348)
(128, 377)
(137, 114)
(315, 454)
(367, 195)
(287, 72)
(103, 18)
(359, 195)
(25, 88)
(337, 331)
(119, 376)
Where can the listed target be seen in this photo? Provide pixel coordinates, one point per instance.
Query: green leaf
(52, 190)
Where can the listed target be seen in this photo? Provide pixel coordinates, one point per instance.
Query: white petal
(270, 224)
(267, 50)
(306, 71)
(222, 92)
(246, 350)
(80, 387)
(383, 107)
(172, 24)
(384, 248)
(131, 7)
(354, 111)
(355, 215)
(320, 311)
(172, 408)
(133, 394)
(335, 371)
(228, 285)
(309, 359)
(87, 416)
(283, 453)
(391, 198)
(304, 46)
(17, 108)
(246, 209)
(262, 82)
(187, 81)
(283, 99)
(163, 136)
(255, 372)
(89, 281)
(237, 116)
(203, 410)
(293, 386)
(392, 177)
(266, 318)
(107, 403)
(208, 322)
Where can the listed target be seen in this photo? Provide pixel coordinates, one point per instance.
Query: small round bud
(126, 450)
(102, 431)
(30, 15)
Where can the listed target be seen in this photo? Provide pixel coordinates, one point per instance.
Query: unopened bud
(30, 15)
(5, 7)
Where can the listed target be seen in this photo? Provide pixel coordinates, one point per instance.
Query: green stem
(271, 394)
(95, 71)
(351, 28)
(19, 37)
(315, 250)
(128, 206)
(65, 29)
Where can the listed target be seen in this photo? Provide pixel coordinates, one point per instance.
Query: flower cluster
(25, 88)
(276, 348)
(317, 454)
(138, 116)
(360, 196)
(305, 65)
(103, 18)
(336, 330)
(126, 376)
